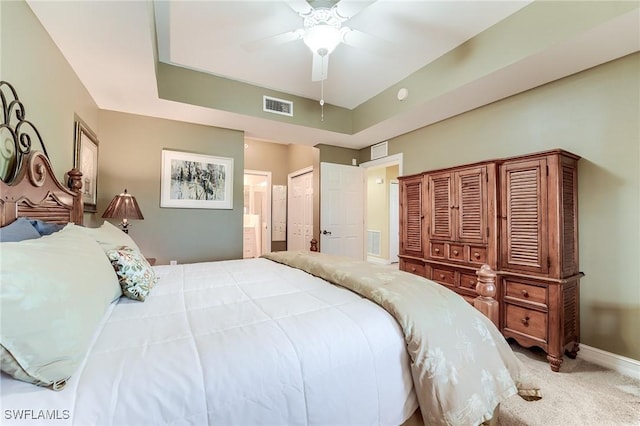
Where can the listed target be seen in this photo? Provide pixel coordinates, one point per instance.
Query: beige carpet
(580, 394)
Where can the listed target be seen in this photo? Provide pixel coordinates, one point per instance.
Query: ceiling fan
(323, 31)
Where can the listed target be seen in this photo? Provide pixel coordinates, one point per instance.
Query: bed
(291, 338)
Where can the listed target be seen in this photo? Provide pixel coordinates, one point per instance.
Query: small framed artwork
(196, 181)
(85, 159)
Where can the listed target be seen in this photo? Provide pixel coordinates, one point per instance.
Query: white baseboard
(373, 259)
(621, 364)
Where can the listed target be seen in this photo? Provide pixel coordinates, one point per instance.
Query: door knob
(325, 232)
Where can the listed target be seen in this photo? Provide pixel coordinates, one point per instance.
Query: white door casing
(342, 200)
(260, 203)
(394, 222)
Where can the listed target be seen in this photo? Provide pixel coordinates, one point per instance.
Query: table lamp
(123, 206)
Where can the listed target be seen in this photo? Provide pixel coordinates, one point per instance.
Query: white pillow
(54, 292)
(110, 237)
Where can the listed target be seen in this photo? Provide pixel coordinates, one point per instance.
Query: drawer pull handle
(476, 255)
(441, 276)
(525, 293)
(413, 269)
(525, 321)
(437, 250)
(455, 252)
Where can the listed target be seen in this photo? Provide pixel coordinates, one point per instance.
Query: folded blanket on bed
(462, 366)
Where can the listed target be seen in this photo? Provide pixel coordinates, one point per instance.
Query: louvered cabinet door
(441, 206)
(411, 216)
(569, 213)
(470, 206)
(523, 215)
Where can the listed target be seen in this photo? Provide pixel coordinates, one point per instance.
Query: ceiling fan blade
(273, 41)
(360, 40)
(299, 6)
(350, 8)
(319, 67)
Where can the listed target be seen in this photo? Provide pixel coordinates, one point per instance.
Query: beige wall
(594, 114)
(269, 157)
(131, 156)
(378, 207)
(301, 156)
(280, 160)
(47, 86)
(378, 204)
(338, 155)
(130, 146)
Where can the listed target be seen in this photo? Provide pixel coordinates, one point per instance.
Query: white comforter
(233, 343)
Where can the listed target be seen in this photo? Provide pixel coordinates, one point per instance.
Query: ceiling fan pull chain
(322, 90)
(322, 99)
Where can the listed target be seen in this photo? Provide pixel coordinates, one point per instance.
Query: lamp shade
(123, 206)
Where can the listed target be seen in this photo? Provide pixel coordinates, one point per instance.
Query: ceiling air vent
(379, 150)
(277, 106)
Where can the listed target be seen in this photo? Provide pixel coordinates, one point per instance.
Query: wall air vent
(373, 242)
(379, 150)
(277, 106)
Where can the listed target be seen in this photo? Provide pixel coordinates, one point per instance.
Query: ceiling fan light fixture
(322, 38)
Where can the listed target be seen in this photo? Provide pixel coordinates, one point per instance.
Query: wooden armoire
(519, 216)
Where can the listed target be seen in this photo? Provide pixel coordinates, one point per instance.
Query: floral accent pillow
(135, 275)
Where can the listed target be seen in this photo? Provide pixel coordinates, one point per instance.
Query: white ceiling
(212, 36)
(111, 44)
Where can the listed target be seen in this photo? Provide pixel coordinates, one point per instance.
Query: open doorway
(257, 213)
(382, 220)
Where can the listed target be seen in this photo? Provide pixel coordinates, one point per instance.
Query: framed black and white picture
(196, 181)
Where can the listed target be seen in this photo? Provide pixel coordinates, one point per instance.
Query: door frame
(394, 251)
(390, 160)
(267, 218)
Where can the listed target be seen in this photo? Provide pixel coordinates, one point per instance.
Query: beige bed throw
(462, 366)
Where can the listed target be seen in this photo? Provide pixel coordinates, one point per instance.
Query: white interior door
(394, 222)
(342, 210)
(300, 211)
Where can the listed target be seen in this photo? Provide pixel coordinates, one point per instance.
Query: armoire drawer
(413, 266)
(477, 254)
(437, 250)
(456, 252)
(526, 321)
(443, 276)
(468, 281)
(525, 292)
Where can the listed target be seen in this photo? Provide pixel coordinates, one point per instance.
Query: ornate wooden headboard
(28, 186)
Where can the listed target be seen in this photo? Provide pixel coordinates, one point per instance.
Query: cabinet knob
(437, 250)
(525, 293)
(441, 276)
(413, 269)
(525, 321)
(476, 255)
(455, 252)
